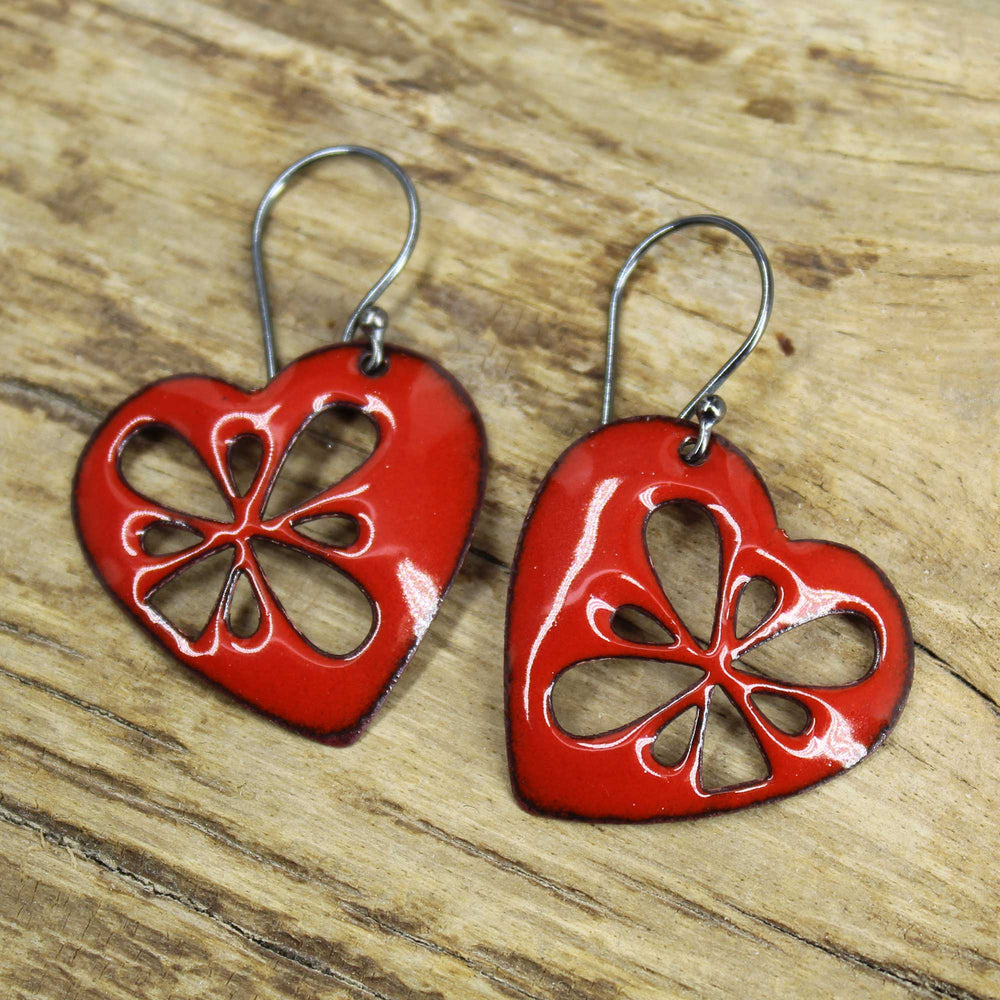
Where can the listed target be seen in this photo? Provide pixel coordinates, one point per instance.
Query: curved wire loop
(359, 316)
(704, 404)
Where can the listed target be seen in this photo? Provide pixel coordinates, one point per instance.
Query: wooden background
(160, 840)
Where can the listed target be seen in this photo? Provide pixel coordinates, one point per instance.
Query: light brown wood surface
(161, 840)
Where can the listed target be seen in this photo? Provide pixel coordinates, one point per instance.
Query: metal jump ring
(375, 357)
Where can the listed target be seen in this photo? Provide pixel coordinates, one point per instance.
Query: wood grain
(159, 840)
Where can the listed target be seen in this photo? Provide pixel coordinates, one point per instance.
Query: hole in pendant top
(683, 545)
(245, 455)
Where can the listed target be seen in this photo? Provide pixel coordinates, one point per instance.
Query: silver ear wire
(705, 405)
(375, 324)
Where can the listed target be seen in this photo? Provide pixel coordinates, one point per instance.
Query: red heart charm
(415, 500)
(582, 557)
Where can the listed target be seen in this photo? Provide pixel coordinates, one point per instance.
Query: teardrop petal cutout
(328, 447)
(599, 696)
(160, 464)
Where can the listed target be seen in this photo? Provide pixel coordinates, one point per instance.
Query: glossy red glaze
(415, 500)
(583, 555)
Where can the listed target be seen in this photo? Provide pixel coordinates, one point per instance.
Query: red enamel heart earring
(582, 558)
(413, 504)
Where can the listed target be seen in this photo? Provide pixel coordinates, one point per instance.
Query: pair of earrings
(581, 558)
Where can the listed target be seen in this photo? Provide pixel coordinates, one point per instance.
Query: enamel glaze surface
(415, 500)
(583, 556)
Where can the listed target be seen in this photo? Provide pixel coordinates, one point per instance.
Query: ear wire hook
(708, 407)
(372, 320)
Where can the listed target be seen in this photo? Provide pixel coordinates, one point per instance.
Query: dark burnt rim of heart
(525, 802)
(342, 737)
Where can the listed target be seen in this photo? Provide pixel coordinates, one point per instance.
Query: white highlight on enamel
(584, 550)
(420, 594)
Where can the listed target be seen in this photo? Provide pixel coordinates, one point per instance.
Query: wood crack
(59, 405)
(879, 484)
(505, 159)
(687, 906)
(162, 739)
(101, 782)
(956, 168)
(27, 635)
(82, 846)
(489, 557)
(568, 894)
(220, 860)
(991, 703)
(928, 985)
(199, 44)
(364, 915)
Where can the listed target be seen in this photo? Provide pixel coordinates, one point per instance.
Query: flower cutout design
(254, 523)
(411, 529)
(583, 558)
(706, 681)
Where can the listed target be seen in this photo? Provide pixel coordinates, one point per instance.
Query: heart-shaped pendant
(583, 557)
(582, 560)
(413, 504)
(414, 501)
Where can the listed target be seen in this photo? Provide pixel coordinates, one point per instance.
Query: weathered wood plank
(160, 840)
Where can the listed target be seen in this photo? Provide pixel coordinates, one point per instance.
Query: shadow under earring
(412, 503)
(582, 559)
